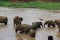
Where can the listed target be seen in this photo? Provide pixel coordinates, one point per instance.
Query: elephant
(58, 24)
(34, 27)
(49, 23)
(23, 28)
(32, 33)
(17, 20)
(37, 24)
(19, 28)
(50, 37)
(3, 19)
(26, 28)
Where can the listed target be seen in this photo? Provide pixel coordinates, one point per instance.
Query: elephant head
(49, 23)
(17, 20)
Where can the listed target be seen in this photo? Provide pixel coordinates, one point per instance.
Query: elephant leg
(59, 28)
(14, 23)
(20, 23)
(16, 30)
(5, 23)
(42, 26)
(38, 26)
(54, 25)
(48, 25)
(21, 31)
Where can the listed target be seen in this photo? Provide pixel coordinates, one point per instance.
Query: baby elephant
(50, 23)
(3, 19)
(18, 28)
(26, 28)
(32, 33)
(23, 28)
(17, 20)
(37, 24)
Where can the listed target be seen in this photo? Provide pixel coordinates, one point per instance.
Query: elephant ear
(21, 19)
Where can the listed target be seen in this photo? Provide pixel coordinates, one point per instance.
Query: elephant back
(2, 18)
(57, 21)
(50, 22)
(25, 26)
(18, 27)
(18, 18)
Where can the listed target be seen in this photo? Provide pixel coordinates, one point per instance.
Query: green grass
(40, 5)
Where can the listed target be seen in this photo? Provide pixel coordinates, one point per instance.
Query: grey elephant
(37, 24)
(58, 24)
(3, 19)
(19, 28)
(17, 20)
(23, 28)
(49, 23)
(32, 33)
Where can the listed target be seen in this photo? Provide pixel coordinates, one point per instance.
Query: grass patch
(40, 5)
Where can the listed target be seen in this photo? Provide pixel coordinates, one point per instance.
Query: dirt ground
(29, 15)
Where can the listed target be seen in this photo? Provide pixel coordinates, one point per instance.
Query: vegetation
(40, 5)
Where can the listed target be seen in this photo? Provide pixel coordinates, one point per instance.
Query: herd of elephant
(29, 29)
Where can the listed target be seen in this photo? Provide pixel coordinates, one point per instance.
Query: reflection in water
(25, 37)
(29, 15)
(58, 34)
(3, 26)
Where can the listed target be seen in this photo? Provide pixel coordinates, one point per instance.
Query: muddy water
(29, 15)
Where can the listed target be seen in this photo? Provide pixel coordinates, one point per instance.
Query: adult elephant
(23, 28)
(58, 24)
(37, 24)
(3, 19)
(17, 20)
(19, 28)
(49, 23)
